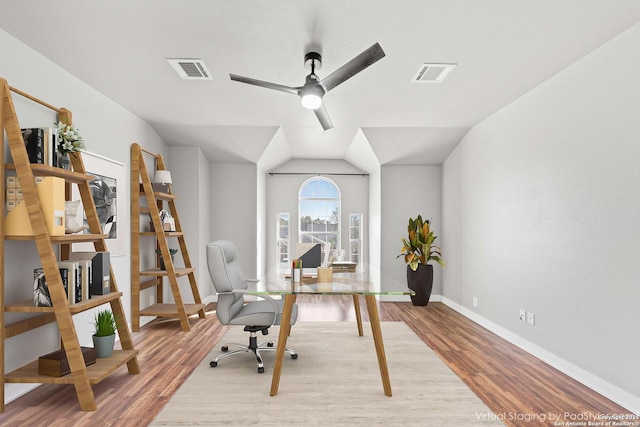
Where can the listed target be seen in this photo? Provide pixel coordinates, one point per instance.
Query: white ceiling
(503, 49)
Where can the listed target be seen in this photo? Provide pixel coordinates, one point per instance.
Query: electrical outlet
(475, 302)
(152, 300)
(523, 315)
(531, 318)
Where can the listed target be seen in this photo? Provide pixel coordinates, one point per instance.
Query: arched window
(319, 212)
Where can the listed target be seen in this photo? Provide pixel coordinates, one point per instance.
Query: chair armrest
(273, 302)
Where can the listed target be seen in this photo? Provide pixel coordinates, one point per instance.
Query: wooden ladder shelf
(142, 191)
(81, 376)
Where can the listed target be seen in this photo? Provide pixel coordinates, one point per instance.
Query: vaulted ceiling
(502, 48)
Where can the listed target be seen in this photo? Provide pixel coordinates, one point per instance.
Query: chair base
(253, 347)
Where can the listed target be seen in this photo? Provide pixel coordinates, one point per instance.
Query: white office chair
(231, 309)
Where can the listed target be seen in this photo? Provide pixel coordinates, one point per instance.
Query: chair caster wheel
(269, 344)
(294, 356)
(213, 364)
(260, 370)
(224, 348)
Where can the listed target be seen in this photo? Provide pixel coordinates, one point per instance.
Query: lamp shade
(162, 177)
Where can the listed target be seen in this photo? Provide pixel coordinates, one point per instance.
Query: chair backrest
(226, 275)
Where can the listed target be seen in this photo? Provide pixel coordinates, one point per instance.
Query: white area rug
(334, 381)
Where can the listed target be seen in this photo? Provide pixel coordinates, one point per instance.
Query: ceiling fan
(314, 89)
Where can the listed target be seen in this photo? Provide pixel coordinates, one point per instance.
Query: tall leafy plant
(418, 247)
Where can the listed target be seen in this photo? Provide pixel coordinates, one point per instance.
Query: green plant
(418, 248)
(172, 252)
(69, 140)
(105, 323)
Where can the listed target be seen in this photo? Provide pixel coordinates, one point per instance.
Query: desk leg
(285, 327)
(356, 305)
(372, 308)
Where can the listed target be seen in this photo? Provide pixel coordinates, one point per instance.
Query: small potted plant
(105, 333)
(69, 141)
(172, 253)
(418, 250)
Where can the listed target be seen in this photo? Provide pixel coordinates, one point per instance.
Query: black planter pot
(420, 282)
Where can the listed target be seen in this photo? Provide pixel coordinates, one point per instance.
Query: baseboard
(14, 391)
(608, 390)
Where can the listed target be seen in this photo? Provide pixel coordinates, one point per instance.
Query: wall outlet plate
(523, 315)
(531, 318)
(475, 302)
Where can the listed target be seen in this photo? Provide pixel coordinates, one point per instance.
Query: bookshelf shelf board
(164, 196)
(46, 170)
(170, 310)
(26, 306)
(96, 372)
(66, 238)
(158, 272)
(166, 233)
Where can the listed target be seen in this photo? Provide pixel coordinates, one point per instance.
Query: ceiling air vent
(433, 73)
(191, 69)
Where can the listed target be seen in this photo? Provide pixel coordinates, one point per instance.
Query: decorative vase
(420, 282)
(104, 345)
(63, 161)
(162, 266)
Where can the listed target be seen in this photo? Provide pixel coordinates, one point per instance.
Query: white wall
(375, 228)
(190, 172)
(108, 130)
(233, 207)
(547, 198)
(261, 224)
(406, 192)
(452, 275)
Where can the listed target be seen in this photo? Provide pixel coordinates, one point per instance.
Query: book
(64, 275)
(41, 295)
(100, 269)
(34, 142)
(49, 146)
(74, 282)
(86, 278)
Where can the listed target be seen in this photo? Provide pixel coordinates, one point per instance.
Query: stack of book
(344, 266)
(40, 144)
(87, 274)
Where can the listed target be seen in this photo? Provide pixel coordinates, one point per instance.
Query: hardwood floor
(519, 388)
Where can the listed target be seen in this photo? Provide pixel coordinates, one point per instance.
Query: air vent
(433, 73)
(191, 69)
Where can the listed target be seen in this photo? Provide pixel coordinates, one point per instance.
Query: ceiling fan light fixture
(311, 101)
(311, 96)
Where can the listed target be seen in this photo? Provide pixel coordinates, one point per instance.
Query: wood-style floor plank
(507, 379)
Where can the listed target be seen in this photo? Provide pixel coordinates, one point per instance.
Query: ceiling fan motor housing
(313, 60)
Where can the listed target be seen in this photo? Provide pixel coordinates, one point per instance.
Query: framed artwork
(108, 195)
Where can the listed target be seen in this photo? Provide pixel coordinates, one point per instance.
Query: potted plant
(418, 250)
(69, 141)
(105, 333)
(172, 254)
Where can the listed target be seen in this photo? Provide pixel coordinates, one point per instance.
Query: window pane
(319, 212)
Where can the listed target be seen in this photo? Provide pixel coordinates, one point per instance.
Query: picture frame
(109, 196)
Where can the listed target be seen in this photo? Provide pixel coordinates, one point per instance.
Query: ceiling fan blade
(267, 85)
(353, 67)
(323, 116)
